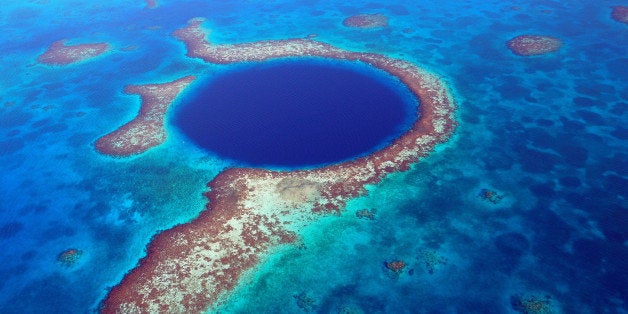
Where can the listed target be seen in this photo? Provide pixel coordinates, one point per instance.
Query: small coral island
(58, 53)
(531, 45)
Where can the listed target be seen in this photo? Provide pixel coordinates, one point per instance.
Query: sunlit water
(527, 202)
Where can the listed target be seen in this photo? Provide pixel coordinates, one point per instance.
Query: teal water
(545, 134)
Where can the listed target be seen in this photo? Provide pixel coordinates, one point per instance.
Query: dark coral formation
(490, 196)
(431, 260)
(532, 304)
(395, 266)
(366, 214)
(69, 257)
(305, 302)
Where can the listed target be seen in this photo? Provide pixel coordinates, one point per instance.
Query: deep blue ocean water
(297, 113)
(547, 135)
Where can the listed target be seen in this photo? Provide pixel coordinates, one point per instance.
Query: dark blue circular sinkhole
(300, 112)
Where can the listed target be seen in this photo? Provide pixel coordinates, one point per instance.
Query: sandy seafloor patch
(547, 133)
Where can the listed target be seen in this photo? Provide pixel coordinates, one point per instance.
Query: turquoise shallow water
(545, 134)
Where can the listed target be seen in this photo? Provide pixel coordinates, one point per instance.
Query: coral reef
(366, 214)
(490, 196)
(431, 260)
(192, 266)
(147, 129)
(532, 304)
(366, 21)
(620, 14)
(151, 4)
(530, 45)
(396, 266)
(59, 53)
(305, 302)
(69, 257)
(350, 309)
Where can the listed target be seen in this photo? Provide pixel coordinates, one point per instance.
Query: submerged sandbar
(192, 266)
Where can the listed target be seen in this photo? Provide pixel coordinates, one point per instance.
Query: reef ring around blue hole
(296, 112)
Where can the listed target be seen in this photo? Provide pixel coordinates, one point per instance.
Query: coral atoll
(189, 267)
